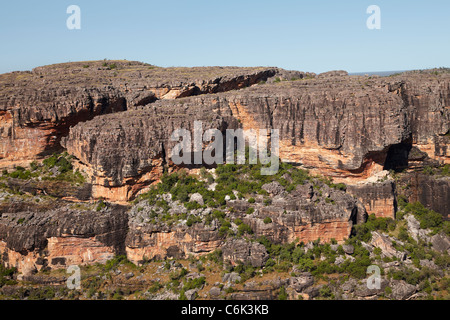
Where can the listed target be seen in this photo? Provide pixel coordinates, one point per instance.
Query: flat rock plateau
(88, 180)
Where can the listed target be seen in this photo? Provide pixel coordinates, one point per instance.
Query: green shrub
(50, 162)
(428, 219)
(100, 205)
(194, 283)
(244, 228)
(326, 292)
(282, 294)
(250, 210)
(267, 220)
(34, 166)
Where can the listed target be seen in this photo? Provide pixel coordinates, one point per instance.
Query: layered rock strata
(38, 107)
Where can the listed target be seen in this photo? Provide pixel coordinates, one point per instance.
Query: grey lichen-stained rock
(339, 260)
(441, 243)
(429, 264)
(349, 285)
(401, 290)
(196, 197)
(214, 292)
(301, 282)
(363, 290)
(273, 188)
(414, 229)
(231, 277)
(383, 242)
(348, 248)
(191, 294)
(237, 250)
(129, 275)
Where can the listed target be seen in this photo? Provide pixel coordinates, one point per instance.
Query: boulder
(191, 294)
(232, 277)
(401, 290)
(385, 244)
(348, 248)
(274, 188)
(238, 250)
(214, 292)
(441, 243)
(414, 229)
(196, 197)
(301, 282)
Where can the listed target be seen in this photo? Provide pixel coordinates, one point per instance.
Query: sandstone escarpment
(49, 235)
(378, 197)
(348, 128)
(433, 191)
(37, 108)
(124, 153)
(307, 214)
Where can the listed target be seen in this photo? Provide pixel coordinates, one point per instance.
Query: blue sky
(314, 36)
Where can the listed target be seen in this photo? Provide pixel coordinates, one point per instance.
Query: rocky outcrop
(58, 189)
(331, 125)
(304, 215)
(124, 153)
(377, 197)
(247, 253)
(433, 191)
(37, 108)
(50, 235)
(144, 242)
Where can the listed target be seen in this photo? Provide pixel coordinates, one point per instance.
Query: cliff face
(341, 126)
(348, 128)
(37, 108)
(377, 197)
(50, 235)
(126, 152)
(428, 98)
(433, 191)
(306, 214)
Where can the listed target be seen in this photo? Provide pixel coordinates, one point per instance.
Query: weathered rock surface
(37, 108)
(402, 290)
(48, 235)
(305, 214)
(330, 125)
(383, 242)
(126, 152)
(378, 197)
(433, 191)
(301, 282)
(251, 253)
